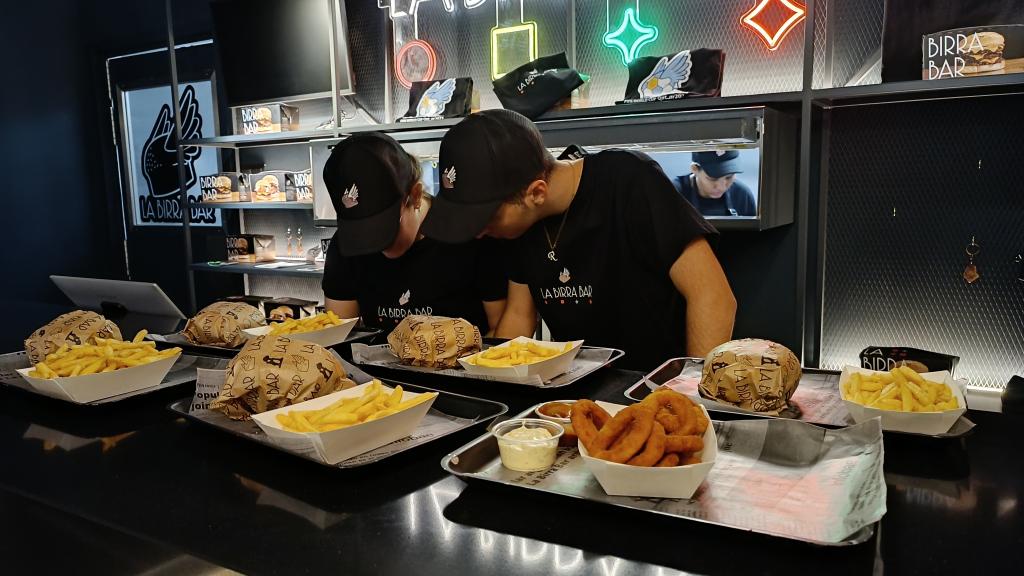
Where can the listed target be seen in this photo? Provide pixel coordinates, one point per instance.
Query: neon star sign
(797, 12)
(630, 36)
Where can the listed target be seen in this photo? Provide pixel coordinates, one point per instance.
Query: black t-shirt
(432, 278)
(625, 229)
(738, 200)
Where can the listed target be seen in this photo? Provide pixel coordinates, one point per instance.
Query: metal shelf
(674, 106)
(272, 139)
(243, 268)
(256, 205)
(916, 90)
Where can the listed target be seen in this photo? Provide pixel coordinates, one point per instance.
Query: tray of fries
(325, 329)
(333, 431)
(817, 400)
(777, 477)
(570, 364)
(176, 339)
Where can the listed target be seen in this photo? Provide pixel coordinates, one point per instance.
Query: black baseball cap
(484, 160)
(368, 176)
(718, 163)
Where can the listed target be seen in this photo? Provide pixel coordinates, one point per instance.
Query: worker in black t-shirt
(378, 266)
(711, 186)
(607, 250)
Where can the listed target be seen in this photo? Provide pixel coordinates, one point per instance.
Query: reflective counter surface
(129, 488)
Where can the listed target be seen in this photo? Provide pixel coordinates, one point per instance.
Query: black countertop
(128, 487)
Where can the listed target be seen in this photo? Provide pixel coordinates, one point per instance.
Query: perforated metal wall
(910, 184)
(848, 42)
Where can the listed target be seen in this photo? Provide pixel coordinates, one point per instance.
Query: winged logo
(564, 276)
(350, 199)
(404, 299)
(667, 77)
(434, 100)
(448, 177)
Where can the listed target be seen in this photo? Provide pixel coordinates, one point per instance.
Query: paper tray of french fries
(523, 358)
(929, 403)
(325, 329)
(87, 373)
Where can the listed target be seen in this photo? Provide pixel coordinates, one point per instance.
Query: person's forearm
(343, 308)
(514, 325)
(709, 322)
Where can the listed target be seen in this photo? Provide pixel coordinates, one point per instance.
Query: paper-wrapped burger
(275, 371)
(752, 374)
(78, 327)
(434, 341)
(221, 324)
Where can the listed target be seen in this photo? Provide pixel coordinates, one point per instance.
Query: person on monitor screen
(711, 186)
(607, 249)
(379, 266)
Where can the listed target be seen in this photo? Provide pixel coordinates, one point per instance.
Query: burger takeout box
(913, 422)
(250, 248)
(545, 369)
(93, 387)
(675, 482)
(325, 337)
(339, 445)
(266, 118)
(222, 186)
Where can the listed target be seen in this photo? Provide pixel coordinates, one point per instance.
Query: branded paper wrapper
(914, 422)
(93, 387)
(325, 337)
(337, 445)
(753, 374)
(434, 341)
(545, 369)
(271, 372)
(221, 324)
(78, 327)
(673, 482)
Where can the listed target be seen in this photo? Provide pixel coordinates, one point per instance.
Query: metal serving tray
(589, 360)
(176, 339)
(183, 371)
(450, 413)
(743, 470)
(817, 398)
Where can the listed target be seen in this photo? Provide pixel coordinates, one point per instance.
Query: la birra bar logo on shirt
(399, 313)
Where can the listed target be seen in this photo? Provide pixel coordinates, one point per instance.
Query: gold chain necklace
(553, 245)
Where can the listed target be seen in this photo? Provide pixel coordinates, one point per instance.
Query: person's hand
(159, 153)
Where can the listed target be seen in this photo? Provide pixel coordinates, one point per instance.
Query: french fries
(106, 355)
(900, 389)
(377, 401)
(309, 324)
(516, 354)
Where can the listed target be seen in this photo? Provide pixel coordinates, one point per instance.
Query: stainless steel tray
(461, 411)
(183, 372)
(816, 400)
(582, 365)
(479, 460)
(176, 339)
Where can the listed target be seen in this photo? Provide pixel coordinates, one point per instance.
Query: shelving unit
(245, 268)
(916, 90)
(308, 206)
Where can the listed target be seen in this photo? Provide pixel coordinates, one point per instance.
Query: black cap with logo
(718, 163)
(484, 160)
(368, 176)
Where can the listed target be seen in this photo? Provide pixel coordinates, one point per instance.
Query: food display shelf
(242, 268)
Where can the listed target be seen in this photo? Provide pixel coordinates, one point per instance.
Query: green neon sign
(630, 36)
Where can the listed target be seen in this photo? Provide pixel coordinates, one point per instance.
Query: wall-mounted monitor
(280, 49)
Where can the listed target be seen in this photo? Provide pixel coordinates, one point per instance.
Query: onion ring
(702, 421)
(691, 459)
(678, 405)
(653, 450)
(677, 443)
(624, 435)
(669, 460)
(587, 419)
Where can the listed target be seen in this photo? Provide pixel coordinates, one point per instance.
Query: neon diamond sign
(755, 20)
(630, 36)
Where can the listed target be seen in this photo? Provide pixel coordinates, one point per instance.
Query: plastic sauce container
(531, 452)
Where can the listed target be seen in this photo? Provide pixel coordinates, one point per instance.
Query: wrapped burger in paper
(274, 371)
(221, 324)
(78, 327)
(753, 374)
(434, 341)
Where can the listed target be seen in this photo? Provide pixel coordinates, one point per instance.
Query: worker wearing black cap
(712, 188)
(607, 250)
(378, 265)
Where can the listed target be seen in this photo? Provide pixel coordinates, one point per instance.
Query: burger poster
(981, 51)
(151, 153)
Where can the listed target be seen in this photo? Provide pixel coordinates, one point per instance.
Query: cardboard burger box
(281, 309)
(269, 186)
(254, 301)
(250, 248)
(300, 185)
(222, 186)
(266, 118)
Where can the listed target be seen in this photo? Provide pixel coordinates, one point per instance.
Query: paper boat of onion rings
(675, 482)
